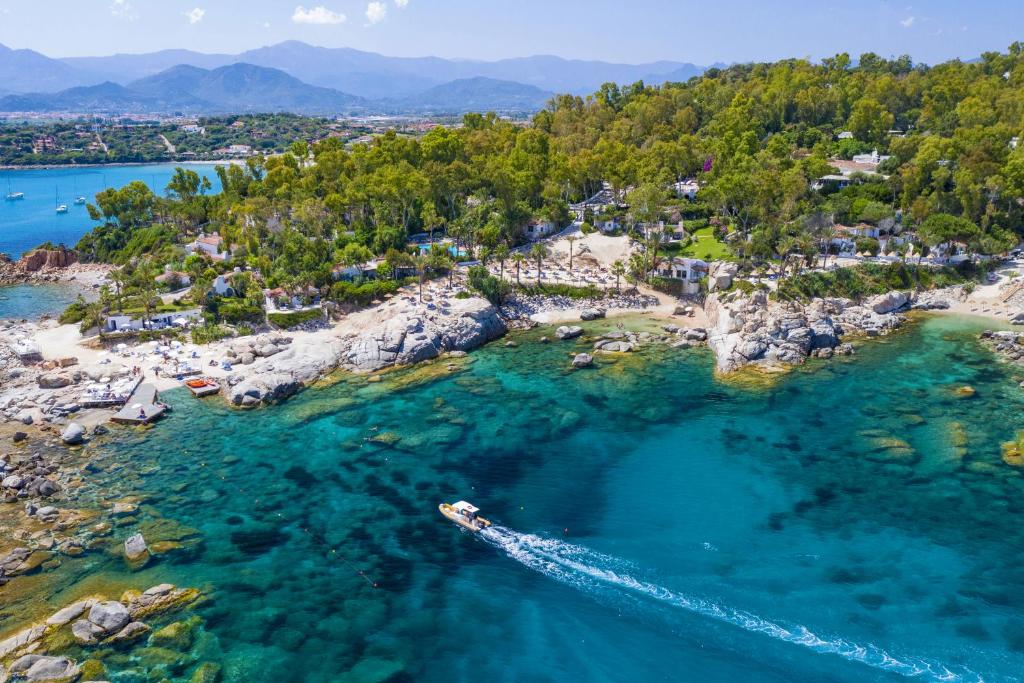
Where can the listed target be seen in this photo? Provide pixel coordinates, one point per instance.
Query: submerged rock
(568, 331)
(582, 360)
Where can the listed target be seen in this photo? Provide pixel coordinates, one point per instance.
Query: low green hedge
(295, 318)
(570, 291)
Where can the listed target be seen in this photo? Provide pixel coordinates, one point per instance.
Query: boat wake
(588, 570)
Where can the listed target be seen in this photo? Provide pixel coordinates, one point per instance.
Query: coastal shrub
(463, 294)
(557, 289)
(74, 313)
(491, 288)
(237, 311)
(207, 334)
(667, 285)
(868, 245)
(587, 228)
(294, 318)
(361, 294)
(869, 279)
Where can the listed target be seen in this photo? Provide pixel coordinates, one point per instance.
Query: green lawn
(705, 247)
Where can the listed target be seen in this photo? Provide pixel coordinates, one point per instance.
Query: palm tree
(518, 258)
(618, 270)
(501, 253)
(539, 252)
(570, 239)
(422, 265)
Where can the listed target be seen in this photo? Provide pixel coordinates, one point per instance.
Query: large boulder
(568, 331)
(720, 275)
(582, 360)
(39, 259)
(135, 549)
(53, 670)
(57, 380)
(110, 616)
(592, 313)
(889, 303)
(73, 434)
(826, 336)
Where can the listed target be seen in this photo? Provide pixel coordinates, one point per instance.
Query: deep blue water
(851, 522)
(33, 220)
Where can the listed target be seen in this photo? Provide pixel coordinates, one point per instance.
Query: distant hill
(236, 88)
(30, 71)
(366, 74)
(125, 68)
(475, 94)
(323, 80)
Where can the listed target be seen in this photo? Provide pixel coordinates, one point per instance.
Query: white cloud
(124, 9)
(266, 24)
(908, 22)
(376, 11)
(317, 15)
(196, 15)
(401, 3)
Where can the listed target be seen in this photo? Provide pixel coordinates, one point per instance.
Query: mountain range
(294, 76)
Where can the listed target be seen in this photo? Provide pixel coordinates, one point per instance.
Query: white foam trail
(586, 569)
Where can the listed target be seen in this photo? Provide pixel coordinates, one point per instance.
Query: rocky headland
(49, 265)
(751, 330)
(407, 334)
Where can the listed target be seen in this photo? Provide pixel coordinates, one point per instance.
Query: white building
(157, 321)
(686, 189)
(689, 271)
(210, 245)
(538, 229)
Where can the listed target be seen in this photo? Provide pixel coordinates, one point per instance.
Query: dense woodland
(756, 136)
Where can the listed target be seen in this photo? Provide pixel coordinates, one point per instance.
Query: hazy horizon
(640, 32)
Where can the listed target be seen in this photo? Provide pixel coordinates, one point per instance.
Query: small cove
(862, 501)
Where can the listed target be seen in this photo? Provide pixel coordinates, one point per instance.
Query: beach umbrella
(137, 405)
(104, 380)
(122, 347)
(176, 344)
(154, 343)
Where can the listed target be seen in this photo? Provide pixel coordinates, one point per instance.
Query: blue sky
(615, 30)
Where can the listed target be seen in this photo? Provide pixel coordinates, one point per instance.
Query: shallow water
(653, 523)
(29, 222)
(19, 302)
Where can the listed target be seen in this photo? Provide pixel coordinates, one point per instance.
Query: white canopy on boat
(463, 506)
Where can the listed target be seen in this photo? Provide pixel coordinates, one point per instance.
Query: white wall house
(538, 229)
(210, 245)
(687, 270)
(158, 321)
(686, 188)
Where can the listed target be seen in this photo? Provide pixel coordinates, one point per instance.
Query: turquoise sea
(853, 521)
(33, 220)
(19, 302)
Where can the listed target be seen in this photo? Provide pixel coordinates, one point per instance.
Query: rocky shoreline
(749, 330)
(50, 265)
(407, 337)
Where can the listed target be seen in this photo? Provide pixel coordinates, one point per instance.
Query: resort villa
(866, 164)
(686, 189)
(173, 278)
(158, 321)
(687, 270)
(537, 229)
(209, 245)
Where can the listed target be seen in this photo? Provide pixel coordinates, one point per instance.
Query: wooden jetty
(202, 386)
(142, 408)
